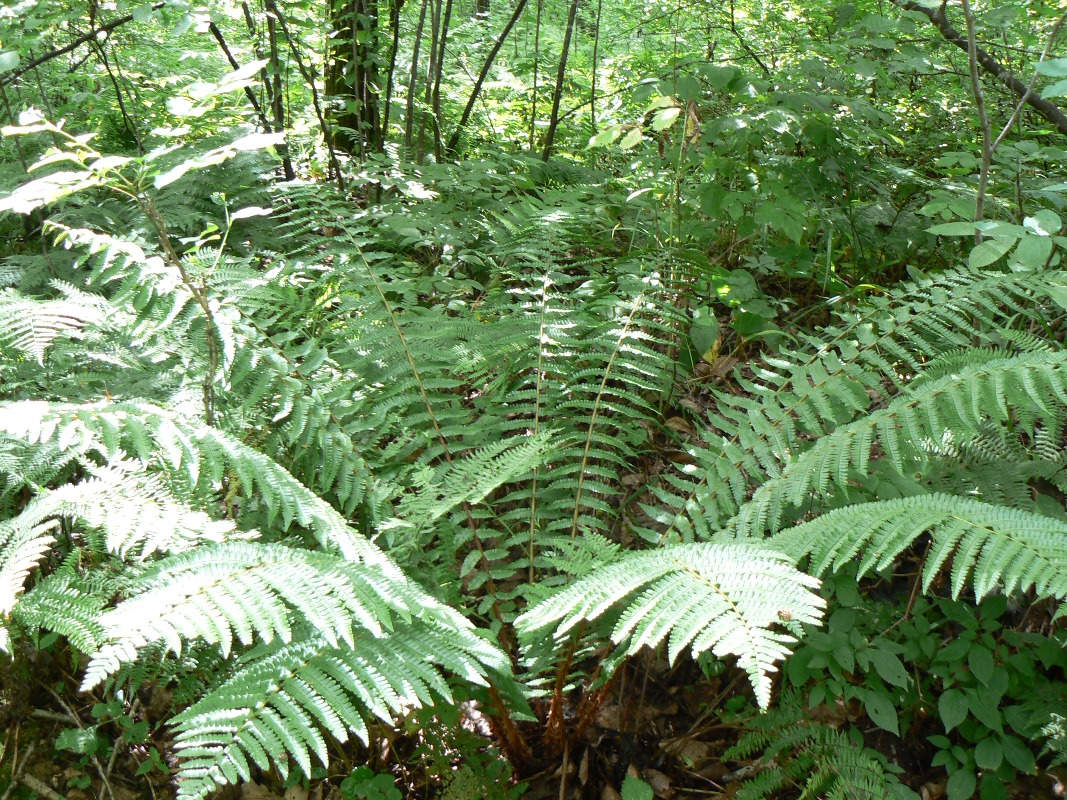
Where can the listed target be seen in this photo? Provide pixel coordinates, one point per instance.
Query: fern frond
(991, 546)
(60, 603)
(958, 405)
(720, 597)
(23, 543)
(200, 453)
(471, 479)
(283, 696)
(835, 377)
(248, 591)
(30, 325)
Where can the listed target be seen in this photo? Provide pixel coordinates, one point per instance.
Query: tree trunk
(394, 20)
(409, 120)
(557, 96)
(515, 15)
(352, 75)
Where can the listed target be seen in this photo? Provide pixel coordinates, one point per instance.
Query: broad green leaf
(1053, 67)
(81, 740)
(665, 117)
(881, 711)
(1044, 222)
(605, 137)
(687, 88)
(250, 211)
(1058, 89)
(258, 141)
(989, 753)
(961, 785)
(719, 76)
(631, 139)
(705, 335)
(952, 229)
(1033, 251)
(984, 705)
(241, 77)
(636, 789)
(889, 667)
(952, 706)
(989, 251)
(980, 660)
(9, 59)
(1018, 754)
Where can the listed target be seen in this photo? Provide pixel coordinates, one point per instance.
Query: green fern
(726, 598)
(811, 757)
(991, 547)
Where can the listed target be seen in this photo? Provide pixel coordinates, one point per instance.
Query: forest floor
(656, 723)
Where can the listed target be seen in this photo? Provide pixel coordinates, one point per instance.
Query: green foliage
(308, 456)
(818, 760)
(726, 598)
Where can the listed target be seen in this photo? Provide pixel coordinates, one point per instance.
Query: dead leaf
(660, 783)
(682, 426)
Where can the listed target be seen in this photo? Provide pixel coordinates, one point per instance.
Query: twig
(16, 768)
(86, 37)
(40, 713)
(39, 786)
(96, 761)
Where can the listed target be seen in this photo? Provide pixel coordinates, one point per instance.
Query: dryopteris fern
(837, 375)
(800, 754)
(991, 547)
(485, 416)
(726, 598)
(824, 441)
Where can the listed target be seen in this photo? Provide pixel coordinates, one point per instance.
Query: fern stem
(596, 409)
(545, 283)
(199, 294)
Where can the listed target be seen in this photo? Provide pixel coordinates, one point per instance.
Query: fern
(836, 376)
(726, 598)
(818, 760)
(278, 703)
(246, 590)
(991, 547)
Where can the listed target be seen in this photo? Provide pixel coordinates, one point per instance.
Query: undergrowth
(362, 462)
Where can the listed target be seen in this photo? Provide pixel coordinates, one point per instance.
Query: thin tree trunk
(431, 70)
(394, 20)
(536, 65)
(309, 78)
(557, 95)
(446, 20)
(596, 49)
(351, 73)
(275, 95)
(409, 121)
(515, 15)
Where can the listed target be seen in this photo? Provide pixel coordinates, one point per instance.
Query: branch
(1051, 112)
(515, 15)
(214, 29)
(11, 76)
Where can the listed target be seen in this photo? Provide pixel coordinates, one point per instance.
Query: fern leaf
(726, 598)
(280, 700)
(959, 404)
(991, 547)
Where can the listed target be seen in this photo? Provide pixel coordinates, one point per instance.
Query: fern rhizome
(357, 463)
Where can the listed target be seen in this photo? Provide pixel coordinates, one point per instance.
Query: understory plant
(325, 471)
